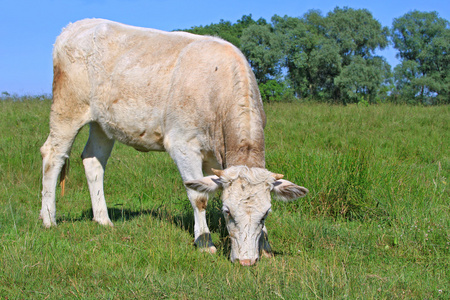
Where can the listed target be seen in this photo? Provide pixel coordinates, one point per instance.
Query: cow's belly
(138, 127)
(142, 139)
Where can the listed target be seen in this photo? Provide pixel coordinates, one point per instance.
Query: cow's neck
(242, 120)
(244, 135)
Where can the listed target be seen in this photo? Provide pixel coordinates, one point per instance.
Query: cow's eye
(226, 210)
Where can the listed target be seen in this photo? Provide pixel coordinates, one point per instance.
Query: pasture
(376, 223)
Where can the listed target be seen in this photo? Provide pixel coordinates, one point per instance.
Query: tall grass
(376, 223)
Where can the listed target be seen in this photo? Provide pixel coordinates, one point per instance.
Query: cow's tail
(63, 176)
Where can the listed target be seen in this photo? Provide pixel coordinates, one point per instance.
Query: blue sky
(28, 28)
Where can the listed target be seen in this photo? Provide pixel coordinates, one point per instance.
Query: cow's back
(142, 85)
(120, 60)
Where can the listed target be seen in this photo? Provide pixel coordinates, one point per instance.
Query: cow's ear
(208, 184)
(285, 190)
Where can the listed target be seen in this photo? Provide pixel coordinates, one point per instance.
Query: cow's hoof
(204, 243)
(47, 222)
(266, 254)
(211, 250)
(104, 222)
(247, 262)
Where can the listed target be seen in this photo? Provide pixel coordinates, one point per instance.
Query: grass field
(376, 223)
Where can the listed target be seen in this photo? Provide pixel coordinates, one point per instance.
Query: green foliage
(274, 91)
(356, 32)
(21, 98)
(363, 78)
(376, 223)
(332, 58)
(310, 59)
(356, 35)
(226, 30)
(423, 42)
(263, 50)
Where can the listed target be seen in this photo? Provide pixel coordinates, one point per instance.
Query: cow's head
(246, 204)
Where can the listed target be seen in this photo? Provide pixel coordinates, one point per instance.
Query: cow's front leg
(202, 234)
(264, 246)
(189, 163)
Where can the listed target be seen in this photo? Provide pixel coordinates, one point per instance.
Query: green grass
(376, 223)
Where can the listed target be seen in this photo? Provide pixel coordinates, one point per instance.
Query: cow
(193, 96)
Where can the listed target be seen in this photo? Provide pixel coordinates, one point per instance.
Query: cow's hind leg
(54, 152)
(95, 156)
(189, 164)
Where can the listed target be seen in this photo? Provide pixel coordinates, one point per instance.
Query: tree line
(333, 57)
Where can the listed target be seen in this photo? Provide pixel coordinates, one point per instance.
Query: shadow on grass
(183, 218)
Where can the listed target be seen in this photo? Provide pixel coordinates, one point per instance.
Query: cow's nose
(247, 262)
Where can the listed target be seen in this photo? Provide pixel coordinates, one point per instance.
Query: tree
(356, 32)
(263, 50)
(309, 58)
(227, 30)
(224, 30)
(326, 58)
(322, 55)
(358, 35)
(423, 42)
(275, 91)
(363, 79)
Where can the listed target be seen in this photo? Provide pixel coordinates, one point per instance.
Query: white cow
(192, 96)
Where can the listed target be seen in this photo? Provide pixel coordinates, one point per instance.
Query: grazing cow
(192, 96)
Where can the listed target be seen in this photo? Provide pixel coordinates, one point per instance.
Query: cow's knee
(201, 202)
